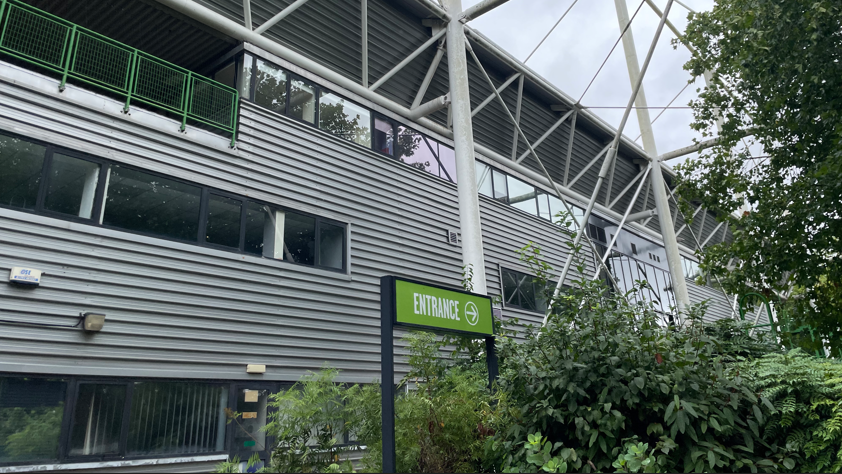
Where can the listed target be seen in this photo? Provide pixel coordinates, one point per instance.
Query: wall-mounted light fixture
(256, 369)
(93, 322)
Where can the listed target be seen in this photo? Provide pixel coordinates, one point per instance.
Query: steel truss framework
(451, 35)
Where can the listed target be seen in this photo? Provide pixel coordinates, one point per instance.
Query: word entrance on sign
(427, 305)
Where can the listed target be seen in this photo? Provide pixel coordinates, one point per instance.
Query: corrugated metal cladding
(146, 25)
(181, 311)
(718, 307)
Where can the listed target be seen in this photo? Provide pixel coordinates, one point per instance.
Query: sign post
(413, 304)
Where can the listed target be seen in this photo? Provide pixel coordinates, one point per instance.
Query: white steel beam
(588, 166)
(463, 140)
(679, 285)
(570, 146)
(280, 16)
(516, 137)
(547, 133)
(628, 186)
(430, 107)
(247, 14)
(431, 71)
(409, 59)
(637, 216)
(480, 9)
(491, 96)
(684, 226)
(713, 232)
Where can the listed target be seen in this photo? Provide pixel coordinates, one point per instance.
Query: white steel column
(463, 140)
(656, 176)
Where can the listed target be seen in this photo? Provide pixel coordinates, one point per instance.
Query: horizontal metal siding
(718, 307)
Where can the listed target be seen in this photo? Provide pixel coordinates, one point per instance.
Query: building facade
(230, 207)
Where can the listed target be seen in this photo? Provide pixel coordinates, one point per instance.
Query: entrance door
(247, 437)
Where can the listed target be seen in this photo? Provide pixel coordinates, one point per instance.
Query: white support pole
(428, 78)
(247, 14)
(430, 107)
(479, 9)
(280, 16)
(628, 186)
(637, 216)
(547, 133)
(679, 285)
(516, 137)
(715, 230)
(463, 140)
(409, 59)
(588, 166)
(570, 147)
(491, 96)
(364, 14)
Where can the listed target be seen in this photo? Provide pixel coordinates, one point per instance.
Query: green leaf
(757, 413)
(669, 411)
(639, 382)
(789, 463)
(711, 459)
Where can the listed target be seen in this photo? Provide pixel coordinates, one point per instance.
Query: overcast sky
(573, 53)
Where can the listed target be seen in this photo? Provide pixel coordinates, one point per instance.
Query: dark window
(331, 245)
(248, 435)
(71, 186)
(31, 412)
(169, 417)
(270, 87)
(500, 191)
(299, 238)
(224, 219)
(597, 233)
(384, 136)
(522, 195)
(523, 291)
(484, 185)
(302, 101)
(97, 419)
(151, 204)
(634, 249)
(21, 163)
(259, 230)
(345, 119)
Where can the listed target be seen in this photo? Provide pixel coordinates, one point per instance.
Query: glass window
(384, 135)
(299, 238)
(522, 291)
(447, 159)
(146, 203)
(544, 207)
(522, 195)
(97, 419)
(500, 191)
(72, 186)
(484, 179)
(345, 119)
(331, 245)
(223, 221)
(259, 229)
(302, 101)
(417, 150)
(169, 417)
(248, 433)
(31, 411)
(270, 88)
(22, 163)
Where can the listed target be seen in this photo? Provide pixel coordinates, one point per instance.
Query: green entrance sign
(433, 307)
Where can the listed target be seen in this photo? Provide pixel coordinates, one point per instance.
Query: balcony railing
(627, 270)
(77, 53)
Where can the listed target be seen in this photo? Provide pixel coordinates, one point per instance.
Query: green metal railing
(50, 42)
(782, 329)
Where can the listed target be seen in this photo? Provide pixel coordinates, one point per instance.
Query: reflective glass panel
(72, 186)
(170, 417)
(299, 238)
(258, 224)
(223, 221)
(246, 63)
(447, 158)
(417, 150)
(248, 434)
(146, 203)
(331, 245)
(270, 88)
(345, 119)
(21, 162)
(500, 190)
(97, 419)
(31, 411)
(302, 101)
(384, 136)
(510, 294)
(522, 195)
(484, 180)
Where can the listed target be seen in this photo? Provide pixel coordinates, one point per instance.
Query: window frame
(97, 211)
(517, 305)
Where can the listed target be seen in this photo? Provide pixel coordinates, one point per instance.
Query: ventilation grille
(453, 237)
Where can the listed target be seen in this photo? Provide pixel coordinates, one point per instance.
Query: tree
(775, 70)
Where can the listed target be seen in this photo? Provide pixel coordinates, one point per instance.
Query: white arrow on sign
(472, 313)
